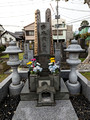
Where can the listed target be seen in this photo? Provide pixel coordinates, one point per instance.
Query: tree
(88, 2)
(84, 23)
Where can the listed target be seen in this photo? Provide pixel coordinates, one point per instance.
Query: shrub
(2, 48)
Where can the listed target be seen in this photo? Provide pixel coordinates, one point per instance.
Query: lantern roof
(74, 47)
(12, 48)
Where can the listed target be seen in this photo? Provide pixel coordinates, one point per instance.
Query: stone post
(16, 85)
(73, 83)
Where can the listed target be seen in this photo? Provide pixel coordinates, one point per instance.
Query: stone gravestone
(48, 19)
(28, 54)
(44, 46)
(25, 56)
(44, 87)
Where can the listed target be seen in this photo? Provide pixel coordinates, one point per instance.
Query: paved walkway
(63, 110)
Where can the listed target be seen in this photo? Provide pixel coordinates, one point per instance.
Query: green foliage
(21, 56)
(84, 23)
(2, 48)
(86, 74)
(3, 76)
(5, 56)
(82, 59)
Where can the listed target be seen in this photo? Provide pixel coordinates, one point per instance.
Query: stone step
(26, 95)
(27, 110)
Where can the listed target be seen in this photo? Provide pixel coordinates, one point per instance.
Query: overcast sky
(14, 14)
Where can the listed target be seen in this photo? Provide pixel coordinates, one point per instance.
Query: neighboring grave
(28, 54)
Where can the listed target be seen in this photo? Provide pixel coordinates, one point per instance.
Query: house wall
(1, 31)
(69, 34)
(60, 36)
(62, 27)
(6, 38)
(67, 31)
(28, 28)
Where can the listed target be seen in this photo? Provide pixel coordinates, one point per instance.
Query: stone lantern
(16, 86)
(73, 49)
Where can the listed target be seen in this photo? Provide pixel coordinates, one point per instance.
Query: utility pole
(57, 17)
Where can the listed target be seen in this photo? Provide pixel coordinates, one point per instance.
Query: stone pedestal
(73, 88)
(15, 89)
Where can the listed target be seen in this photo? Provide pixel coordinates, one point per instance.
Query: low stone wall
(85, 85)
(65, 74)
(4, 87)
(23, 74)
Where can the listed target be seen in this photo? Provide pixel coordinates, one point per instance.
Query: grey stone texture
(16, 86)
(85, 85)
(4, 87)
(44, 36)
(27, 110)
(30, 55)
(73, 88)
(74, 48)
(26, 95)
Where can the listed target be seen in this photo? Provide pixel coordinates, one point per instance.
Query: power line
(74, 9)
(78, 20)
(84, 17)
(12, 25)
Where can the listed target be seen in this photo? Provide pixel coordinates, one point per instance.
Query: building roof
(13, 34)
(1, 28)
(29, 24)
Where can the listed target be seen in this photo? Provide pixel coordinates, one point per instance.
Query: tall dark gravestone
(44, 46)
(43, 40)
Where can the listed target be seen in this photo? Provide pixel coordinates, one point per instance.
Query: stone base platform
(26, 95)
(27, 110)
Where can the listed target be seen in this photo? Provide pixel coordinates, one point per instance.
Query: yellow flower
(52, 58)
(52, 61)
(29, 63)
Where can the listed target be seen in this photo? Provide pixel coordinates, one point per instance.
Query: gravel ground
(80, 104)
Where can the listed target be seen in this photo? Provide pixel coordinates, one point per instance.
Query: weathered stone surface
(62, 94)
(48, 19)
(44, 38)
(37, 20)
(63, 110)
(4, 87)
(85, 85)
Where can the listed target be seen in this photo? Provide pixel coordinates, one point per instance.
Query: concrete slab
(27, 110)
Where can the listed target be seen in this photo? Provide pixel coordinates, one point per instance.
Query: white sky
(14, 14)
